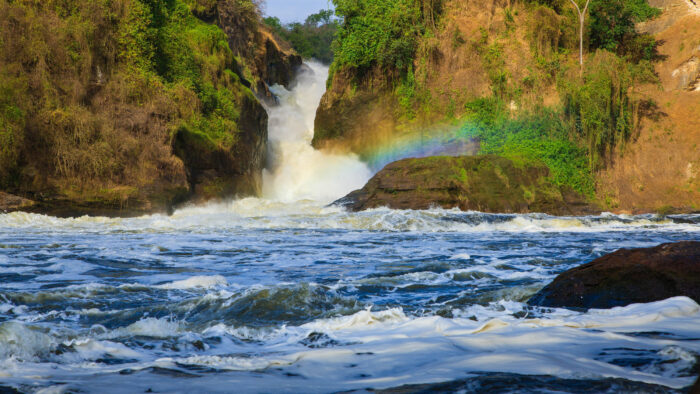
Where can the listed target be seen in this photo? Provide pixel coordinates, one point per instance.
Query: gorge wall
(126, 107)
(460, 57)
(661, 170)
(524, 55)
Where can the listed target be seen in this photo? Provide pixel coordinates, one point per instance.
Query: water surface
(285, 294)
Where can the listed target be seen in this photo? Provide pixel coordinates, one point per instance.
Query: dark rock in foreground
(628, 276)
(500, 382)
(482, 183)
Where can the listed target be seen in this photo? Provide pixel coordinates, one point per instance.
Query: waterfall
(297, 171)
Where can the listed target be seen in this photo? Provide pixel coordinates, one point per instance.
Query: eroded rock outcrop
(688, 74)
(627, 276)
(483, 183)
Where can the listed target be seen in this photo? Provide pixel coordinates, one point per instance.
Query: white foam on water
(195, 282)
(253, 213)
(18, 341)
(91, 349)
(148, 327)
(388, 348)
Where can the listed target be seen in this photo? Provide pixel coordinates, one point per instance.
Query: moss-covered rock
(482, 183)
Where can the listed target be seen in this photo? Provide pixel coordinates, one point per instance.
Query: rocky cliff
(641, 141)
(128, 107)
(457, 59)
(660, 171)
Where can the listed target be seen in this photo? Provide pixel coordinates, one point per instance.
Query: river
(286, 294)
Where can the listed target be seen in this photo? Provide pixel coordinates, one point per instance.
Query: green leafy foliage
(380, 33)
(612, 27)
(11, 125)
(312, 39)
(539, 136)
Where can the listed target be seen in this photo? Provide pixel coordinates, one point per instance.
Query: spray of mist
(296, 170)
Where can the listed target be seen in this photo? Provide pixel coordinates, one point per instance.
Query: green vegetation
(612, 27)
(88, 88)
(393, 45)
(598, 114)
(538, 137)
(600, 107)
(494, 65)
(312, 39)
(381, 33)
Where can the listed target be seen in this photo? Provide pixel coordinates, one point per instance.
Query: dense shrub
(538, 136)
(612, 27)
(600, 106)
(90, 87)
(381, 33)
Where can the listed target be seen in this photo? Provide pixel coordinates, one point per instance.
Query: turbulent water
(284, 294)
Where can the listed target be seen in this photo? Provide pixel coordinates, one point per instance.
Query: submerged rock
(628, 276)
(483, 183)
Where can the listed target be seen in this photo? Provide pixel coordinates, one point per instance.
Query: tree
(311, 39)
(612, 27)
(582, 21)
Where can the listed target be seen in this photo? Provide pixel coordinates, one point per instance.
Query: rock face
(482, 183)
(268, 62)
(9, 203)
(215, 172)
(626, 277)
(96, 137)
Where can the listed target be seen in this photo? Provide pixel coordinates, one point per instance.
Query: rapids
(286, 294)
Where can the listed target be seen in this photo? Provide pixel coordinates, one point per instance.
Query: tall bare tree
(582, 20)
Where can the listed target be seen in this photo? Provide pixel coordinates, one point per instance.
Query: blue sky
(294, 10)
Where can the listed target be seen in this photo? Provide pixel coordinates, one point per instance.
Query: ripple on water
(230, 293)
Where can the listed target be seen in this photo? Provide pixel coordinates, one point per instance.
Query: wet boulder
(627, 276)
(486, 183)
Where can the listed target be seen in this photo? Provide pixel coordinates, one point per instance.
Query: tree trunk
(582, 20)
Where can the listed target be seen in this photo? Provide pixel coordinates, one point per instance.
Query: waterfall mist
(297, 171)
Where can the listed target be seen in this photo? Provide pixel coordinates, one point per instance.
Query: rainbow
(446, 140)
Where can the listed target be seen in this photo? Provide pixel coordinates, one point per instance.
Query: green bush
(380, 33)
(11, 125)
(612, 27)
(89, 87)
(540, 136)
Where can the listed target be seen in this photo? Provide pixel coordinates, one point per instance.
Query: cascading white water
(298, 171)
